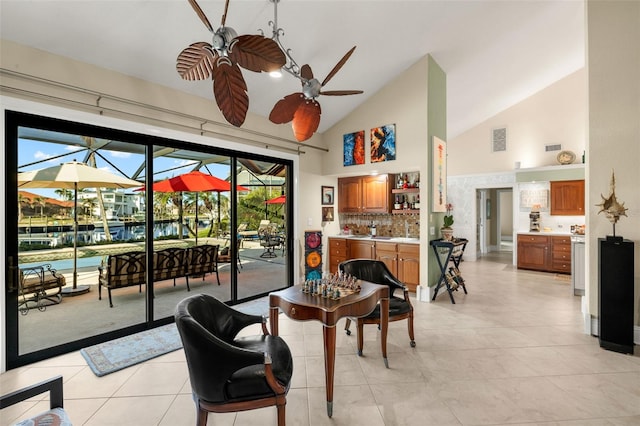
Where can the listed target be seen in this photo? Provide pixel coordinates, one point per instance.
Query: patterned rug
(114, 355)
(124, 352)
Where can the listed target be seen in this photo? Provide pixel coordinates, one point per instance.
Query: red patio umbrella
(196, 181)
(278, 200)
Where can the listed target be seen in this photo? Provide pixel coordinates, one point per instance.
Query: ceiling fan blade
(201, 14)
(196, 61)
(224, 15)
(285, 108)
(256, 53)
(306, 120)
(305, 72)
(339, 65)
(341, 92)
(230, 91)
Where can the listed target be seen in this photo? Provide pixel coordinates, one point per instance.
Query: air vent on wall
(553, 147)
(499, 139)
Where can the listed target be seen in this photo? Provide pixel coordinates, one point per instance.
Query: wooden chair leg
(201, 417)
(360, 337)
(412, 343)
(281, 415)
(346, 327)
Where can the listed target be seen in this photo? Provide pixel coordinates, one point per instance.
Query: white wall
(556, 114)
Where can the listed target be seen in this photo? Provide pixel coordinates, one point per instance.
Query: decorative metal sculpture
(610, 206)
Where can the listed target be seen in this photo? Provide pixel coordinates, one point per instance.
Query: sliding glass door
(112, 251)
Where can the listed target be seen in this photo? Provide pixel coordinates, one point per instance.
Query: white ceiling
(495, 53)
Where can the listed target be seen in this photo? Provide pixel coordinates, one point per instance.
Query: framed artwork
(327, 195)
(383, 143)
(439, 167)
(353, 148)
(327, 214)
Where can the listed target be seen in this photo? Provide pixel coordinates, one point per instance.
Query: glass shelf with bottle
(406, 203)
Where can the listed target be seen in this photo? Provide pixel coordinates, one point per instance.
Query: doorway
(494, 224)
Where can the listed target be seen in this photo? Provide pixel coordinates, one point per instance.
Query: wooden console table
(304, 307)
(449, 251)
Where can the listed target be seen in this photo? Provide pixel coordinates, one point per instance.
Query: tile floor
(511, 352)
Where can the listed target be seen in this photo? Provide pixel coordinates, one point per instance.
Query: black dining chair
(400, 308)
(230, 373)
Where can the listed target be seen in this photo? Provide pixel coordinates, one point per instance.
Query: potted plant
(446, 230)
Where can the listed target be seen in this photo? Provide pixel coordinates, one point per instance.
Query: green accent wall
(436, 126)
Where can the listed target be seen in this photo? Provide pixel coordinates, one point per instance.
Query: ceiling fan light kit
(222, 59)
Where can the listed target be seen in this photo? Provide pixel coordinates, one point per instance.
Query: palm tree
(21, 201)
(176, 199)
(42, 202)
(64, 194)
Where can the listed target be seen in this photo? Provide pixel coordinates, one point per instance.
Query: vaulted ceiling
(495, 53)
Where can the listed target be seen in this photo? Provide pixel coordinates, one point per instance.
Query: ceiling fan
(302, 107)
(222, 60)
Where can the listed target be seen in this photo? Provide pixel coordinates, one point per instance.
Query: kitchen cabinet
(338, 253)
(561, 254)
(533, 252)
(364, 194)
(567, 198)
(388, 253)
(409, 265)
(544, 253)
(349, 195)
(403, 260)
(362, 249)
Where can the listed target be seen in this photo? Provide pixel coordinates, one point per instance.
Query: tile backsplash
(398, 225)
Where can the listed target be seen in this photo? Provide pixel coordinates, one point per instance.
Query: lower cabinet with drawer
(561, 254)
(544, 253)
(338, 252)
(403, 260)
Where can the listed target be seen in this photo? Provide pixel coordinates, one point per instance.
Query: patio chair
(269, 240)
(224, 255)
(230, 373)
(400, 308)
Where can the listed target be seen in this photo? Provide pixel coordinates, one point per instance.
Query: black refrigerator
(615, 294)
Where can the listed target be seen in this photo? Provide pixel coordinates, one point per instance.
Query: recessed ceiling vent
(553, 147)
(499, 139)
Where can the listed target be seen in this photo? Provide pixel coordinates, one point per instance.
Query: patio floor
(84, 315)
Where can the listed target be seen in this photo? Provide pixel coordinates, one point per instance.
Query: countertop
(402, 240)
(552, 233)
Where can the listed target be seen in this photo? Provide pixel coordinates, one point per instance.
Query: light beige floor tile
(348, 371)
(352, 406)
(415, 403)
(165, 378)
(139, 410)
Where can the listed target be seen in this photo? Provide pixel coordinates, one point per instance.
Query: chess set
(332, 287)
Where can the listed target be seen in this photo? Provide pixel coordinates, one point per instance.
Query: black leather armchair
(230, 373)
(400, 308)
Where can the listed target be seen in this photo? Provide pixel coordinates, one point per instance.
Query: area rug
(124, 352)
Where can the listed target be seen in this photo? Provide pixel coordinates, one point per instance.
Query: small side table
(449, 252)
